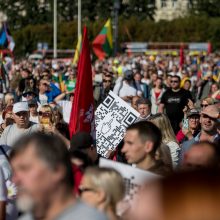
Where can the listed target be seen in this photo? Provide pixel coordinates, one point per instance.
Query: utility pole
(79, 18)
(115, 26)
(55, 29)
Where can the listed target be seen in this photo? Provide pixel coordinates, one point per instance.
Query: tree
(209, 8)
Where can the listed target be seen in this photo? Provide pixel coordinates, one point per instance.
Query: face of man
(175, 83)
(208, 124)
(107, 81)
(35, 180)
(21, 119)
(198, 157)
(137, 77)
(144, 110)
(134, 149)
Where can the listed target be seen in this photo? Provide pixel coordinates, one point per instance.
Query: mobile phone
(185, 123)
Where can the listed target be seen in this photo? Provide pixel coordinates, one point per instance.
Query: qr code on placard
(131, 188)
(113, 116)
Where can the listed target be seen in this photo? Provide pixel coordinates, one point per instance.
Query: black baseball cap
(81, 141)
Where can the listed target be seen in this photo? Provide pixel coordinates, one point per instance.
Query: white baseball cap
(20, 107)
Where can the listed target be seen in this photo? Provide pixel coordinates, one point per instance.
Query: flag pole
(79, 18)
(55, 29)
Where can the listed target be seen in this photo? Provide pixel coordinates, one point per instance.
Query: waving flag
(78, 50)
(82, 114)
(102, 45)
(6, 40)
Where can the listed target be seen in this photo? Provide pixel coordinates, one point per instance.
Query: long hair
(163, 123)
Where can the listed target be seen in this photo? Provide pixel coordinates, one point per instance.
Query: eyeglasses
(82, 190)
(28, 94)
(174, 81)
(203, 106)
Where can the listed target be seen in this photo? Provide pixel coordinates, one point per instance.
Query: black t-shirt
(174, 102)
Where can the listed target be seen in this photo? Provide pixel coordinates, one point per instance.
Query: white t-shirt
(43, 99)
(34, 119)
(125, 90)
(12, 133)
(66, 109)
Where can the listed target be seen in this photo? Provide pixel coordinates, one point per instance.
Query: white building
(171, 9)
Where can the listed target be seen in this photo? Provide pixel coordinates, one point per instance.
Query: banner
(112, 117)
(133, 177)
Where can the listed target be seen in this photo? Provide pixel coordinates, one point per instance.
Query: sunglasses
(203, 106)
(23, 113)
(28, 94)
(174, 81)
(45, 114)
(44, 84)
(107, 81)
(206, 116)
(32, 105)
(82, 190)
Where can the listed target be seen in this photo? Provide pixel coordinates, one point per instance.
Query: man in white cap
(22, 125)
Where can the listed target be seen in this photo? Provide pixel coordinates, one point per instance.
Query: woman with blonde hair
(102, 188)
(168, 136)
(48, 122)
(9, 99)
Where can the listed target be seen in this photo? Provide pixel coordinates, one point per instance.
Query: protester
(7, 117)
(168, 136)
(141, 142)
(156, 94)
(103, 188)
(173, 101)
(43, 174)
(198, 196)
(208, 120)
(144, 108)
(124, 89)
(33, 106)
(101, 90)
(202, 155)
(21, 126)
(193, 126)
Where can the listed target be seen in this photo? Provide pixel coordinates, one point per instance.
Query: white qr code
(112, 117)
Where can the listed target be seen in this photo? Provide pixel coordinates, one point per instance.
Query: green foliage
(189, 29)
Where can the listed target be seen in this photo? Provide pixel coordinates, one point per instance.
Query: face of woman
(187, 85)
(194, 121)
(204, 104)
(87, 193)
(214, 88)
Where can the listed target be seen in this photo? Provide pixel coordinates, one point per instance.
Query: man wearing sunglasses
(101, 91)
(173, 102)
(209, 121)
(22, 125)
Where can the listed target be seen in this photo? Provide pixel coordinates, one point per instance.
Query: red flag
(209, 48)
(82, 114)
(181, 56)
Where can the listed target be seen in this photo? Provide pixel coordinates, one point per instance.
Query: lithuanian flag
(102, 45)
(78, 50)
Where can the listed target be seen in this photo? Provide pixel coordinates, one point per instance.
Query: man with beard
(43, 174)
(209, 120)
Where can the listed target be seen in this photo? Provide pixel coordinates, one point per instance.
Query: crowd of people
(46, 174)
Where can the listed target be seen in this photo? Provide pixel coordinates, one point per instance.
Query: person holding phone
(191, 126)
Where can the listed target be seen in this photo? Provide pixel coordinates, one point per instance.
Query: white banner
(112, 117)
(133, 177)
